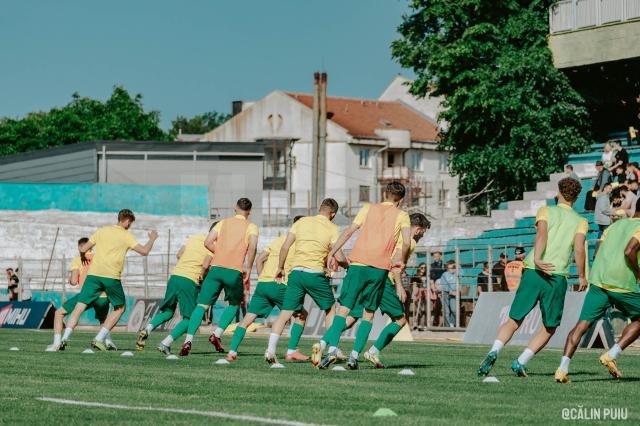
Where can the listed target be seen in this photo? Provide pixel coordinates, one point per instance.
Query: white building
(369, 142)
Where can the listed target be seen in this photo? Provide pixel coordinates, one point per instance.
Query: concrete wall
(65, 167)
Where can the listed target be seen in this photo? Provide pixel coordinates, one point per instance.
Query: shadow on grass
(401, 366)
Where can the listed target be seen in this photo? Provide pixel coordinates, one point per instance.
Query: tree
(198, 124)
(121, 117)
(513, 118)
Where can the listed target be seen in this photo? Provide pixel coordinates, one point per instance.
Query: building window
(394, 159)
(365, 161)
(274, 166)
(443, 164)
(416, 161)
(443, 198)
(365, 194)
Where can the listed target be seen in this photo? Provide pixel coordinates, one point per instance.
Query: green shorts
(598, 300)
(94, 286)
(316, 285)
(180, 291)
(365, 285)
(536, 286)
(100, 307)
(220, 278)
(389, 305)
(266, 296)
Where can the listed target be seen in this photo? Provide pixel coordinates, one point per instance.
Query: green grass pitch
(445, 388)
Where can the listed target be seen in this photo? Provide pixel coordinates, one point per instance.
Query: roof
(361, 117)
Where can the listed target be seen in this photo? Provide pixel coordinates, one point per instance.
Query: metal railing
(571, 15)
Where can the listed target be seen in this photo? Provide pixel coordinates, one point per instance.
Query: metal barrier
(571, 15)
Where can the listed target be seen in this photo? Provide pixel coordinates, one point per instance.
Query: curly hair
(569, 189)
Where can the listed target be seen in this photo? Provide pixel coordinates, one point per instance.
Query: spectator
(630, 175)
(513, 270)
(636, 169)
(447, 286)
(420, 292)
(12, 285)
(620, 177)
(607, 155)
(620, 157)
(633, 135)
(602, 210)
(498, 273)
(603, 178)
(437, 267)
(628, 201)
(568, 170)
(633, 187)
(483, 279)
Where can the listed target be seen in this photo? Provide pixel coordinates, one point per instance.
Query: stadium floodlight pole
(457, 254)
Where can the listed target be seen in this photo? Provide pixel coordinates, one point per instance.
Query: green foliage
(197, 124)
(513, 118)
(121, 117)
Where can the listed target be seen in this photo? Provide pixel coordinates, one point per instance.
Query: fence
(570, 15)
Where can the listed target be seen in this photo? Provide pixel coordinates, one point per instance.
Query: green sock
(160, 317)
(294, 336)
(362, 335)
(196, 320)
(386, 335)
(332, 336)
(228, 316)
(180, 328)
(238, 335)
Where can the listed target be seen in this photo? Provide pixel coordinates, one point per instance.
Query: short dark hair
(635, 164)
(569, 189)
(633, 181)
(297, 218)
(451, 262)
(244, 204)
(213, 225)
(9, 269)
(569, 166)
(395, 189)
(125, 214)
(485, 264)
(503, 256)
(436, 252)
(329, 204)
(623, 188)
(83, 240)
(418, 219)
(599, 163)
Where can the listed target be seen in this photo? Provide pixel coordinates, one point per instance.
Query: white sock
(67, 333)
(354, 354)
(497, 346)
(188, 338)
(218, 332)
(102, 334)
(526, 355)
(57, 338)
(373, 350)
(615, 351)
(167, 341)
(273, 343)
(564, 364)
(232, 353)
(323, 345)
(149, 328)
(291, 351)
(332, 349)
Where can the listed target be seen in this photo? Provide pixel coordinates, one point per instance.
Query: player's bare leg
(505, 333)
(537, 342)
(110, 322)
(58, 327)
(629, 335)
(73, 321)
(276, 332)
(571, 344)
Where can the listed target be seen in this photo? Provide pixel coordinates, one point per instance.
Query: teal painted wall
(167, 200)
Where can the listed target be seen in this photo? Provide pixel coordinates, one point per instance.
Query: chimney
(236, 108)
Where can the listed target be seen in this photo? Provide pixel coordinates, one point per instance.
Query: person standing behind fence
(602, 215)
(513, 270)
(12, 285)
(448, 288)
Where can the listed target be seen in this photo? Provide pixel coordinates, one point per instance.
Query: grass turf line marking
(179, 411)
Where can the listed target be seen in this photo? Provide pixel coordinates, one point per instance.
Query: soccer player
(77, 274)
(560, 231)
(381, 226)
(231, 241)
(111, 246)
(182, 289)
(314, 237)
(270, 293)
(614, 280)
(392, 303)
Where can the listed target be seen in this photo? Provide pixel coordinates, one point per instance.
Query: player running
(268, 294)
(231, 241)
(111, 246)
(614, 280)
(314, 237)
(560, 231)
(392, 303)
(381, 226)
(77, 274)
(182, 289)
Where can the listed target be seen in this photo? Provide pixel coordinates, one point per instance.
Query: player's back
(190, 263)
(314, 237)
(111, 244)
(610, 268)
(232, 241)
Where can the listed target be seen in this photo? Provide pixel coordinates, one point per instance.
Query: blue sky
(188, 57)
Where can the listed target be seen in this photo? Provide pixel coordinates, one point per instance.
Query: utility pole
(322, 139)
(315, 142)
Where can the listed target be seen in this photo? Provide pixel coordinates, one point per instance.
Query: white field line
(219, 414)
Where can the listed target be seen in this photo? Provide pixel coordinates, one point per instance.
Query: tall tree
(121, 117)
(197, 124)
(513, 118)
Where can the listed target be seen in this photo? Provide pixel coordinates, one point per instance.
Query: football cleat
(487, 364)
(52, 348)
(352, 363)
(63, 345)
(610, 364)
(97, 344)
(296, 356)
(232, 356)
(110, 345)
(340, 356)
(561, 376)
(373, 359)
(140, 339)
(164, 349)
(327, 361)
(186, 348)
(316, 354)
(270, 358)
(519, 369)
(215, 341)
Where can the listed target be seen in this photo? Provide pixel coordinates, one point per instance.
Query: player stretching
(381, 226)
(230, 241)
(614, 282)
(270, 293)
(182, 289)
(111, 246)
(392, 303)
(77, 274)
(313, 237)
(560, 230)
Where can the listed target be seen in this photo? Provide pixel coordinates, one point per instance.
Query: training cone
(87, 351)
(277, 365)
(384, 412)
(222, 361)
(338, 368)
(127, 353)
(172, 357)
(491, 379)
(14, 349)
(406, 372)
